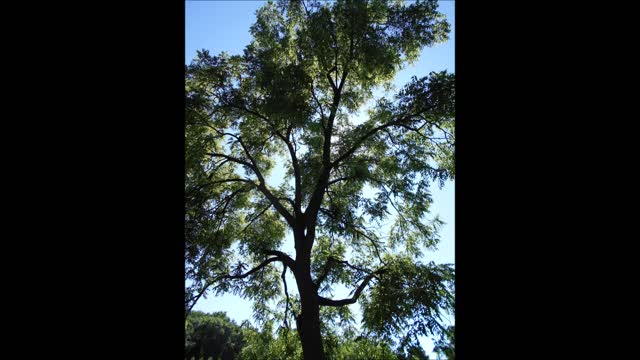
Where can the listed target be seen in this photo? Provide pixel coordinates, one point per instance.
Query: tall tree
(292, 95)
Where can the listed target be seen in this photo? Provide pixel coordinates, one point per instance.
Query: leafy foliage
(408, 301)
(446, 346)
(284, 345)
(215, 335)
(212, 335)
(265, 345)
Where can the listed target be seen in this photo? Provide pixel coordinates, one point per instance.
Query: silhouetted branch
(327, 269)
(284, 258)
(373, 131)
(330, 302)
(195, 299)
(286, 292)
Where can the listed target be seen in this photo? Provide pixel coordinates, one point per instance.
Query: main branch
(261, 186)
(327, 269)
(330, 302)
(402, 120)
(288, 143)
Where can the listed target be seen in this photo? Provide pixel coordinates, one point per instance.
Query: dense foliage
(356, 193)
(216, 336)
(212, 335)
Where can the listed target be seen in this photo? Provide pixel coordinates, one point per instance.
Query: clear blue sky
(224, 26)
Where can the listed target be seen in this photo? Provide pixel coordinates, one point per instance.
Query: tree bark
(308, 321)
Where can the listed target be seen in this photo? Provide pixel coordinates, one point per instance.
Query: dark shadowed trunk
(308, 321)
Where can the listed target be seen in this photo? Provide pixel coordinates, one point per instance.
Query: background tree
(291, 95)
(212, 335)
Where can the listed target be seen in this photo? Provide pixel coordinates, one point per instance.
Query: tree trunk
(308, 322)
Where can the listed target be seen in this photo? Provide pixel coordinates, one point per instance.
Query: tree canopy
(212, 335)
(291, 98)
